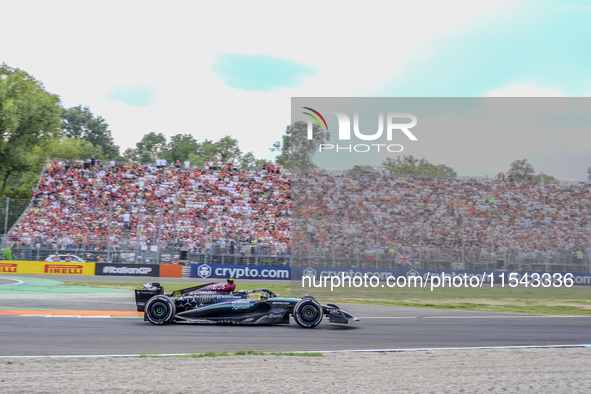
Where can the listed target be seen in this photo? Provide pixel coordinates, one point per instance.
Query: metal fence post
(589, 250)
(6, 215)
(109, 224)
(174, 225)
(159, 240)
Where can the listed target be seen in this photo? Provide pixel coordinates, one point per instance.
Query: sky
(212, 69)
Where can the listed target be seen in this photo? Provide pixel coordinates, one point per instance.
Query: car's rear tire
(308, 313)
(160, 310)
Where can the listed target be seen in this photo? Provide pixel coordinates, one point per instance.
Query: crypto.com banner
(479, 184)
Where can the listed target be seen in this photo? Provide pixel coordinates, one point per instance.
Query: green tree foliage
(79, 122)
(148, 149)
(297, 151)
(248, 160)
(68, 149)
(259, 163)
(544, 177)
(63, 148)
(227, 149)
(29, 116)
(180, 147)
(365, 170)
(411, 166)
(521, 170)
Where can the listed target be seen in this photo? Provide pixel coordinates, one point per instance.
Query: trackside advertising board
(127, 269)
(46, 268)
(497, 277)
(205, 271)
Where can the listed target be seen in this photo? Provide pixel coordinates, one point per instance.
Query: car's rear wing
(142, 296)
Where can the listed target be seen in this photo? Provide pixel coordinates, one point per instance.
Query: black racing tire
(160, 310)
(308, 313)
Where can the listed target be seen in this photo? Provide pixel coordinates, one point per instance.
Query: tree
(521, 170)
(259, 163)
(180, 147)
(410, 166)
(227, 149)
(589, 174)
(81, 123)
(67, 148)
(29, 116)
(148, 149)
(248, 160)
(297, 151)
(357, 170)
(545, 177)
(64, 148)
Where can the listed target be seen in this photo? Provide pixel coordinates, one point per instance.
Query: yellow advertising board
(45, 268)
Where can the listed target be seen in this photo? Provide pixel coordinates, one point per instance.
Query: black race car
(216, 303)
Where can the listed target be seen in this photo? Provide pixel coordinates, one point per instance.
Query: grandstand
(143, 210)
(455, 223)
(126, 212)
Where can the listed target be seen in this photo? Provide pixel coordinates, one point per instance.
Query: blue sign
(446, 278)
(205, 271)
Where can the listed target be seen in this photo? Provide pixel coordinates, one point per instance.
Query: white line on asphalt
(324, 351)
(18, 282)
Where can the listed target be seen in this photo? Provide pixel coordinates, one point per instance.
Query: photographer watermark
(441, 280)
(345, 131)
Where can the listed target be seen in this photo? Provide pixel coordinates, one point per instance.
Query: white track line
(324, 351)
(18, 282)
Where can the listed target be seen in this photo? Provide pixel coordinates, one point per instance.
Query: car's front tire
(160, 310)
(308, 313)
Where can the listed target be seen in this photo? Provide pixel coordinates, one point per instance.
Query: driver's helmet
(230, 280)
(264, 296)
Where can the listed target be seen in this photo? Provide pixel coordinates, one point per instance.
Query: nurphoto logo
(345, 130)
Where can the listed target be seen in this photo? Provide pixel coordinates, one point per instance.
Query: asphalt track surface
(380, 328)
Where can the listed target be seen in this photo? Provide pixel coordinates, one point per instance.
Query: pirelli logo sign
(63, 269)
(46, 268)
(8, 268)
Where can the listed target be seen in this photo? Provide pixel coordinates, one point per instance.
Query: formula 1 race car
(215, 303)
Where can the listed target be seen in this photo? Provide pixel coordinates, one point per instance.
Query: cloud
(524, 90)
(134, 95)
(148, 44)
(260, 73)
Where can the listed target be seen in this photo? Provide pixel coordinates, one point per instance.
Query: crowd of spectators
(230, 210)
(451, 219)
(147, 205)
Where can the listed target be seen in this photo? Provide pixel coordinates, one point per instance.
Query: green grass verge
(512, 306)
(213, 353)
(547, 301)
(281, 290)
